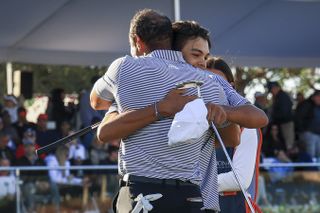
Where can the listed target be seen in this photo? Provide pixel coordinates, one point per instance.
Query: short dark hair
(153, 28)
(221, 65)
(186, 30)
(271, 84)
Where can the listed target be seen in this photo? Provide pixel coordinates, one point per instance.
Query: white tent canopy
(271, 33)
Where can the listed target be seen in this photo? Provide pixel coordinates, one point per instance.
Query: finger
(221, 118)
(180, 91)
(218, 119)
(211, 114)
(192, 97)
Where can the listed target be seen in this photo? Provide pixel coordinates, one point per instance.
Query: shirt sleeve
(234, 98)
(244, 161)
(113, 108)
(106, 86)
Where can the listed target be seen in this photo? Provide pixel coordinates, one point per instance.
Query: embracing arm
(248, 116)
(115, 126)
(230, 135)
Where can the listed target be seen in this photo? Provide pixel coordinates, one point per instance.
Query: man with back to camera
(147, 163)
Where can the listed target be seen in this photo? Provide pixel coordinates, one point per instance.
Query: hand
(216, 113)
(174, 102)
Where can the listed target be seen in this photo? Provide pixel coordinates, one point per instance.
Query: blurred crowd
(293, 133)
(19, 138)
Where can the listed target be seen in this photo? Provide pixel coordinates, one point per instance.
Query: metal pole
(9, 78)
(18, 191)
(177, 10)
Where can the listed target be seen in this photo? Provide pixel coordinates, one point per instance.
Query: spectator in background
(77, 156)
(87, 113)
(5, 151)
(112, 155)
(274, 146)
(98, 152)
(28, 136)
(261, 101)
(309, 115)
(282, 113)
(65, 129)
(299, 99)
(11, 106)
(60, 158)
(22, 124)
(57, 111)
(61, 180)
(112, 159)
(299, 113)
(88, 138)
(7, 187)
(44, 136)
(35, 187)
(76, 150)
(10, 130)
(1, 123)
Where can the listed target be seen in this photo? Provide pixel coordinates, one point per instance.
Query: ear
(141, 46)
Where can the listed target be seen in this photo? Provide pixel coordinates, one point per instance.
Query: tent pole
(177, 10)
(9, 78)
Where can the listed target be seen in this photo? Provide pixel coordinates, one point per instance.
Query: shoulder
(116, 64)
(127, 63)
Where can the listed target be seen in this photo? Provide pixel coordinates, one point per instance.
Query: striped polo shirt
(134, 83)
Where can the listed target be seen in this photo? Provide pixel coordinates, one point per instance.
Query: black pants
(233, 203)
(174, 197)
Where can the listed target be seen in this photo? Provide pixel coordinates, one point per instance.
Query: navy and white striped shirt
(134, 83)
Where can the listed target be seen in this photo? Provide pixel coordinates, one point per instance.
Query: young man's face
(195, 52)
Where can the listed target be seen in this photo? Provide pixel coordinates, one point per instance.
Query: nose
(202, 64)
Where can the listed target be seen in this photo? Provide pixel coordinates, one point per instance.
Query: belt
(228, 193)
(139, 179)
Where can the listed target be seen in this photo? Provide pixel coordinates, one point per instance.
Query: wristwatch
(157, 113)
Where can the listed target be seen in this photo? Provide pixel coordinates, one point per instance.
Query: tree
(47, 77)
(304, 79)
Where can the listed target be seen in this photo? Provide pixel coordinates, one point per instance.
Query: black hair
(153, 28)
(221, 65)
(186, 30)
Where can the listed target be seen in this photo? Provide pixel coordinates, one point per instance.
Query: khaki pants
(287, 130)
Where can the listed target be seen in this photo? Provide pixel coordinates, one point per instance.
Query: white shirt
(7, 186)
(58, 175)
(244, 160)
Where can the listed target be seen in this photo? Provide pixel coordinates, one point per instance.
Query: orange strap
(231, 193)
(255, 207)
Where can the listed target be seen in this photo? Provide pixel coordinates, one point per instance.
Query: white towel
(189, 124)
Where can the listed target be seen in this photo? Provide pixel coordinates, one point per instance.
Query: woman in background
(245, 158)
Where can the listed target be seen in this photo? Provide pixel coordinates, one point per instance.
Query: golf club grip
(66, 139)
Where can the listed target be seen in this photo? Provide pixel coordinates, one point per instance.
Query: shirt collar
(167, 55)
